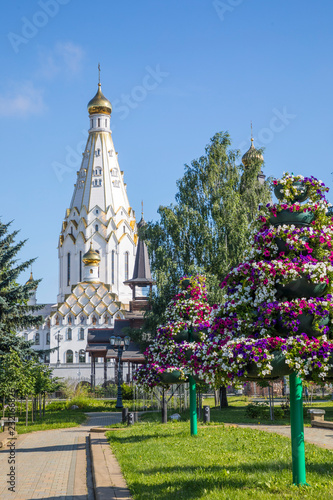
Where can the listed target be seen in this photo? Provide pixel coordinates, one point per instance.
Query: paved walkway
(314, 435)
(52, 464)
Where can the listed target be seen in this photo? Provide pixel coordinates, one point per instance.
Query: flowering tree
(278, 305)
(169, 355)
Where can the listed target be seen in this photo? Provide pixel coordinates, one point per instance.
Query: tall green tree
(15, 313)
(207, 230)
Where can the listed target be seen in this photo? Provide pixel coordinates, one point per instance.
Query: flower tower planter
(277, 314)
(169, 356)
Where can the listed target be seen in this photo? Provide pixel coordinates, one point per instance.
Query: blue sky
(176, 72)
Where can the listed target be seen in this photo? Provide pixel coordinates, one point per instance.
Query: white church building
(97, 249)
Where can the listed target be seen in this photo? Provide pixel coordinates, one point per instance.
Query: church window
(96, 228)
(69, 319)
(116, 184)
(94, 320)
(48, 338)
(91, 271)
(82, 356)
(114, 172)
(112, 266)
(97, 211)
(100, 182)
(106, 319)
(68, 269)
(69, 356)
(126, 265)
(80, 267)
(106, 122)
(57, 320)
(69, 334)
(81, 334)
(99, 122)
(98, 151)
(82, 319)
(37, 339)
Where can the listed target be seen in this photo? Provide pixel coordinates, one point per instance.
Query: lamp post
(121, 344)
(58, 337)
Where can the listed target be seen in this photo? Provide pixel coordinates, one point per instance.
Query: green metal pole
(193, 396)
(297, 430)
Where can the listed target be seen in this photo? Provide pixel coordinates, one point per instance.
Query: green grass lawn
(163, 462)
(53, 420)
(236, 414)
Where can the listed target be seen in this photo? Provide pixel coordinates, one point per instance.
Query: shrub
(257, 410)
(127, 391)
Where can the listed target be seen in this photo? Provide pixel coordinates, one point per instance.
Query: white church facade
(97, 249)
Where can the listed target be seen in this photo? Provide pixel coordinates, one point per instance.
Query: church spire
(99, 211)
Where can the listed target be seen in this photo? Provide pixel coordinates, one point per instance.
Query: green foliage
(207, 231)
(127, 391)
(14, 312)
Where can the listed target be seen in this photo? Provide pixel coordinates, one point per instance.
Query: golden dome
(251, 155)
(99, 103)
(91, 257)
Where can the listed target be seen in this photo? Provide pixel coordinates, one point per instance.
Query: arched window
(106, 319)
(69, 334)
(126, 265)
(112, 266)
(99, 122)
(96, 228)
(68, 269)
(106, 122)
(69, 319)
(57, 320)
(69, 356)
(81, 334)
(37, 339)
(82, 356)
(94, 320)
(82, 319)
(48, 338)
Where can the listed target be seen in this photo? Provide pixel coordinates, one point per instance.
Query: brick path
(52, 464)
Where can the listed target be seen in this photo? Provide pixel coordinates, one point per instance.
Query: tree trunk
(32, 409)
(3, 407)
(26, 411)
(44, 405)
(223, 397)
(21, 408)
(40, 406)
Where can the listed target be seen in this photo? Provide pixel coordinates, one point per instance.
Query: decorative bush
(169, 355)
(277, 312)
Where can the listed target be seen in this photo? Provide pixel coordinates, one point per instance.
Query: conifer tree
(15, 313)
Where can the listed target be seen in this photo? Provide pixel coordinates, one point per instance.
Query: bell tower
(99, 213)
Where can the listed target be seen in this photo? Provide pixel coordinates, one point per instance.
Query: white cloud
(23, 100)
(64, 58)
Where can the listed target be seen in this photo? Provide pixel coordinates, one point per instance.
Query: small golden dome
(99, 103)
(251, 155)
(91, 257)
